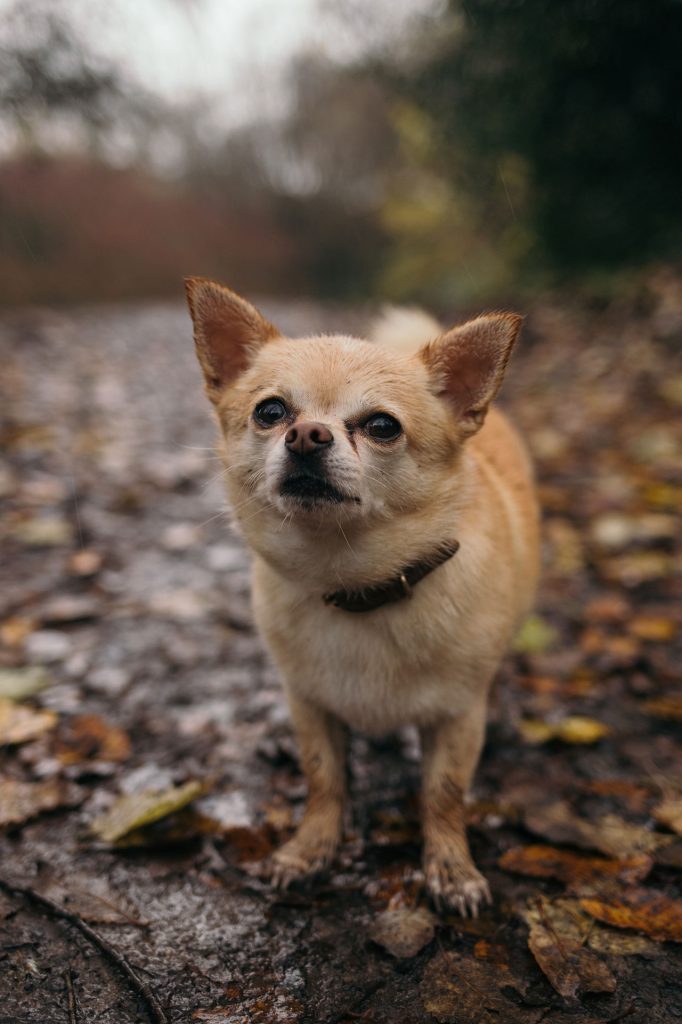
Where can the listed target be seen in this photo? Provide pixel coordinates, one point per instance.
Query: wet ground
(124, 586)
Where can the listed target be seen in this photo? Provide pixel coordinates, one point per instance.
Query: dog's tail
(403, 328)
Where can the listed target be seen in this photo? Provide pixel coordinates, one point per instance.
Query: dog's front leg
(450, 752)
(322, 748)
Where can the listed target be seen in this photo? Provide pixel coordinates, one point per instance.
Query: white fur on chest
(408, 663)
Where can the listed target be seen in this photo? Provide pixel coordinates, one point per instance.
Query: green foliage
(574, 106)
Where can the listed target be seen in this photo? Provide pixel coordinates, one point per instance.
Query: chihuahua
(393, 522)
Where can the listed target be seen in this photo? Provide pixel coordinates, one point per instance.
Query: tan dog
(394, 526)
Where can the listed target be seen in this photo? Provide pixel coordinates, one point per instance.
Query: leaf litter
(137, 810)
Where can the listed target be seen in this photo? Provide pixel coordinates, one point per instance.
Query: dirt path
(121, 579)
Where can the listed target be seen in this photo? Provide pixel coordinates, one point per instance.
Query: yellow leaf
(140, 809)
(572, 729)
(652, 627)
(535, 636)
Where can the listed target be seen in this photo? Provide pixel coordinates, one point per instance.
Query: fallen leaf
(43, 532)
(575, 729)
(669, 706)
(622, 650)
(669, 813)
(13, 631)
(19, 724)
(249, 845)
(662, 495)
(221, 1015)
(535, 636)
(642, 910)
(653, 627)
(566, 917)
(67, 608)
(566, 547)
(637, 567)
(139, 809)
(91, 737)
(570, 967)
(573, 869)
(90, 898)
(85, 562)
(636, 797)
(19, 683)
(455, 987)
(403, 932)
(610, 835)
(609, 608)
(20, 801)
(670, 856)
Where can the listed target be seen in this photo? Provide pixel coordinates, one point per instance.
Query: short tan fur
(457, 470)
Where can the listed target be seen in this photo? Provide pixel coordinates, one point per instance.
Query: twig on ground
(71, 997)
(139, 987)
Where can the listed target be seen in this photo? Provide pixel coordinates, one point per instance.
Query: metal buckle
(407, 589)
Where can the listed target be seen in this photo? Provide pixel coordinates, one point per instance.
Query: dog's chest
(377, 671)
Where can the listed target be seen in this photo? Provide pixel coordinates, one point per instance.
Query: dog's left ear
(228, 331)
(467, 364)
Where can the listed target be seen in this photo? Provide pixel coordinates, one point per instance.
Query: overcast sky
(234, 51)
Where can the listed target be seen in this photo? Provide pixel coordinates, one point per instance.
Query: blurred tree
(578, 103)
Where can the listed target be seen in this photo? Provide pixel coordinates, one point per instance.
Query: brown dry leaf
(610, 835)
(573, 869)
(566, 917)
(249, 845)
(134, 811)
(621, 649)
(85, 562)
(570, 967)
(635, 797)
(92, 899)
(669, 706)
(20, 801)
(13, 631)
(455, 987)
(642, 910)
(403, 932)
(670, 856)
(566, 547)
(19, 724)
(669, 813)
(637, 567)
(88, 736)
(575, 729)
(607, 608)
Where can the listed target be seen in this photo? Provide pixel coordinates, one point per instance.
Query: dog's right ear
(228, 331)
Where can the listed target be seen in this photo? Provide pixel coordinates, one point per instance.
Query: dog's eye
(269, 412)
(382, 427)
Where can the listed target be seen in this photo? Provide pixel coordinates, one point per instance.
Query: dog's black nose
(305, 438)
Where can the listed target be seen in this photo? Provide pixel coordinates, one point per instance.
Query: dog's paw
(296, 861)
(456, 885)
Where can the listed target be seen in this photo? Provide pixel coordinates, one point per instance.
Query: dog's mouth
(312, 490)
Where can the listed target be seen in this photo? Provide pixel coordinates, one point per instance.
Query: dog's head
(337, 430)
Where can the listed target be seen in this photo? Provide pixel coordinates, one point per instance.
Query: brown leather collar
(396, 589)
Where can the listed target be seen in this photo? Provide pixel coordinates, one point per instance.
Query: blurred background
(323, 157)
(441, 150)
